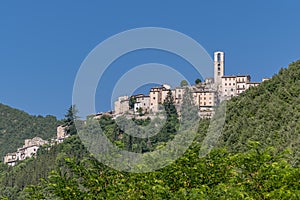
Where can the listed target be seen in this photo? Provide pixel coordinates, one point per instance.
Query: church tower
(218, 66)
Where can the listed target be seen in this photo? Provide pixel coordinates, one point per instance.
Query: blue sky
(42, 44)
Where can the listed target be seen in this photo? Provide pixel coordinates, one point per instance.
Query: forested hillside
(16, 126)
(269, 113)
(256, 157)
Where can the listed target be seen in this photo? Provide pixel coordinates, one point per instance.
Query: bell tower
(218, 66)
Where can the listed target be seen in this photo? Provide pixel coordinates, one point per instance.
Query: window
(225, 84)
(219, 73)
(153, 97)
(231, 89)
(219, 57)
(229, 83)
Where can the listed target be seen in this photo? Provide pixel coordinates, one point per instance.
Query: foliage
(184, 83)
(239, 168)
(269, 113)
(16, 126)
(31, 171)
(69, 121)
(255, 174)
(198, 81)
(132, 101)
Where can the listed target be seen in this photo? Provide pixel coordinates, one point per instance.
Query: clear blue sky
(42, 44)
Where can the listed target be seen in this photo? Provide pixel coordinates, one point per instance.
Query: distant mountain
(16, 126)
(269, 113)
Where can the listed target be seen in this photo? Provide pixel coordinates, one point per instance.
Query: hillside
(16, 126)
(260, 123)
(269, 113)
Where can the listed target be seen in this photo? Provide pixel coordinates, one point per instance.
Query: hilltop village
(207, 95)
(31, 146)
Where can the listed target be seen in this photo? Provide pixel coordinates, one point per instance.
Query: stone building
(11, 159)
(241, 83)
(228, 87)
(28, 150)
(219, 61)
(121, 105)
(178, 93)
(207, 95)
(36, 141)
(157, 97)
(61, 134)
(142, 103)
(252, 84)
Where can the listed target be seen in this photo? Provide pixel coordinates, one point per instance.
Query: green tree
(198, 81)
(171, 125)
(69, 121)
(132, 101)
(184, 83)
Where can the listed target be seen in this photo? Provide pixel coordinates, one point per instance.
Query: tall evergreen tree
(69, 120)
(172, 122)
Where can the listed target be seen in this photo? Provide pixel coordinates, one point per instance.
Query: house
(157, 97)
(207, 95)
(121, 105)
(11, 159)
(28, 150)
(142, 103)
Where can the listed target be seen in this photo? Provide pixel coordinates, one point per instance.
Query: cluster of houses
(31, 146)
(207, 95)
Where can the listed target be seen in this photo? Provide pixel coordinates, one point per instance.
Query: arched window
(219, 57)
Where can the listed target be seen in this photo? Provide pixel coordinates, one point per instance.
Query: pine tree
(69, 120)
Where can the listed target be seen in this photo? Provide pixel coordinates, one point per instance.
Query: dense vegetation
(257, 156)
(255, 174)
(16, 126)
(269, 113)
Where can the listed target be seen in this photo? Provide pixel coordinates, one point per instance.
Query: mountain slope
(16, 126)
(268, 113)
